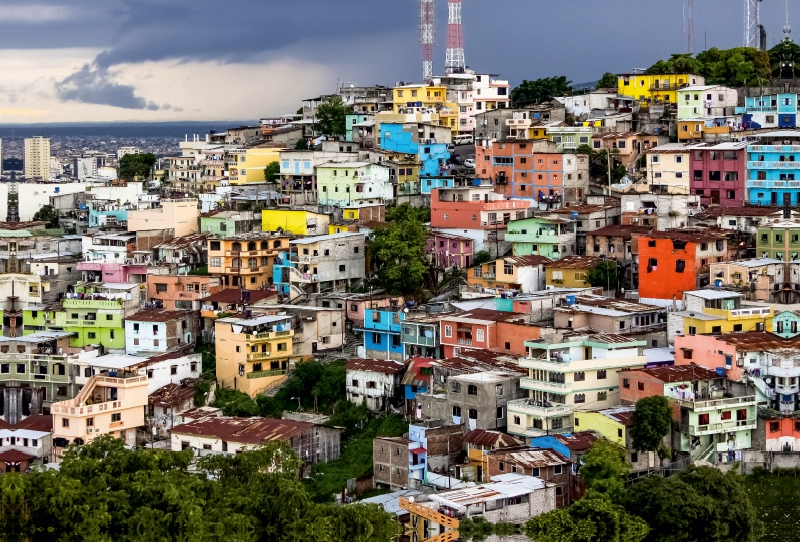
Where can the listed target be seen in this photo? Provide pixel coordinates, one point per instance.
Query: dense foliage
(609, 80)
(540, 90)
(603, 274)
(398, 250)
(48, 214)
(106, 492)
(652, 421)
(271, 170)
(331, 117)
(698, 504)
(735, 67)
(133, 166)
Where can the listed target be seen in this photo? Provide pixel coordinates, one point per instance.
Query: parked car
(470, 163)
(451, 148)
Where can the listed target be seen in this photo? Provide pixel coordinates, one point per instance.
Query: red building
(674, 261)
(478, 328)
(719, 174)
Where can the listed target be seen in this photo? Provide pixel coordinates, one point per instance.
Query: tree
(603, 274)
(398, 250)
(540, 90)
(732, 67)
(604, 470)
(331, 117)
(609, 80)
(301, 145)
(272, 169)
(699, 504)
(482, 257)
(588, 520)
(132, 166)
(405, 211)
(652, 421)
(48, 214)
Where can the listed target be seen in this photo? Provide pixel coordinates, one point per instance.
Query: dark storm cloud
(376, 40)
(93, 85)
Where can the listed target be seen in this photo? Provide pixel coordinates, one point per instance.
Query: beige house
(669, 165)
(111, 403)
(177, 214)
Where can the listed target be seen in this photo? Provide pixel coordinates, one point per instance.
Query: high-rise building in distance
(37, 157)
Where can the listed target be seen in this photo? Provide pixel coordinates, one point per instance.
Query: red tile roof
(15, 456)
(480, 437)
(171, 395)
(158, 315)
(36, 422)
(678, 373)
(234, 295)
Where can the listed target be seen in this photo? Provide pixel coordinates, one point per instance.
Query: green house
(228, 223)
(779, 239)
(552, 238)
(786, 324)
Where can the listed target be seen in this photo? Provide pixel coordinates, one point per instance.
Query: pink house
(718, 173)
(709, 351)
(113, 272)
(447, 250)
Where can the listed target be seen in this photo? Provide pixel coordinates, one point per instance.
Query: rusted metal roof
(676, 373)
(245, 430)
(36, 422)
(234, 295)
(578, 441)
(158, 315)
(760, 340)
(414, 376)
(618, 230)
(575, 262)
(527, 261)
(172, 395)
(481, 314)
(185, 241)
(495, 439)
(530, 457)
(374, 365)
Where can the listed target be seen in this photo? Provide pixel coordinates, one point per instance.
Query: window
(626, 383)
(517, 420)
(215, 245)
(501, 413)
(342, 268)
(680, 266)
(472, 389)
(448, 331)
(89, 422)
(116, 417)
(479, 335)
(579, 376)
(602, 395)
(601, 374)
(456, 411)
(173, 370)
(472, 414)
(456, 387)
(619, 432)
(65, 422)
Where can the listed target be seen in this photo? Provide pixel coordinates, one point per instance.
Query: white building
(19, 291)
(372, 382)
(151, 332)
(108, 248)
(123, 151)
(86, 168)
(326, 262)
(160, 370)
(37, 158)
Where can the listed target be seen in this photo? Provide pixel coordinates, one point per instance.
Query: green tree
(699, 504)
(482, 257)
(652, 421)
(398, 251)
(234, 403)
(405, 211)
(272, 169)
(609, 80)
(588, 520)
(48, 214)
(604, 470)
(331, 117)
(540, 90)
(301, 145)
(603, 274)
(133, 166)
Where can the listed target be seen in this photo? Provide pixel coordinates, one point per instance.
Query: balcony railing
(545, 385)
(776, 183)
(540, 432)
(538, 408)
(739, 425)
(713, 404)
(465, 342)
(773, 148)
(266, 374)
(773, 165)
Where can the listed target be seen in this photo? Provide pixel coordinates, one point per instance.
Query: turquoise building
(552, 238)
(773, 169)
(785, 324)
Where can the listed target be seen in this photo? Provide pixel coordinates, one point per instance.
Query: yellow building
(715, 311)
(297, 222)
(415, 96)
(247, 165)
(245, 261)
(479, 443)
(656, 88)
(253, 354)
(570, 272)
(612, 423)
(521, 273)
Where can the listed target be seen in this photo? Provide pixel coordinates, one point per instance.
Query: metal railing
(712, 403)
(265, 374)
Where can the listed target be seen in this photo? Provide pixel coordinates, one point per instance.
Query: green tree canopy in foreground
(540, 90)
(731, 67)
(106, 492)
(132, 166)
(609, 80)
(652, 421)
(271, 170)
(331, 117)
(398, 250)
(48, 214)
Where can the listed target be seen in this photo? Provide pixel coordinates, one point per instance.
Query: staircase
(272, 389)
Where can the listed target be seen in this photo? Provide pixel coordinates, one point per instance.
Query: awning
(419, 451)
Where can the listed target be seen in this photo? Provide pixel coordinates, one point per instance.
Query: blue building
(281, 271)
(106, 214)
(771, 111)
(404, 138)
(773, 169)
(382, 334)
(352, 124)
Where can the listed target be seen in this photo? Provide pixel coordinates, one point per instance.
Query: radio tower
(454, 60)
(752, 23)
(689, 26)
(428, 11)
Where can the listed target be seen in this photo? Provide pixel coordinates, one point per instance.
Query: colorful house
(770, 110)
(447, 250)
(773, 165)
(295, 221)
(717, 311)
(247, 165)
(570, 271)
(416, 97)
(245, 261)
(514, 273)
(382, 330)
(410, 139)
(552, 238)
(779, 239)
(656, 88)
(719, 173)
(227, 223)
(785, 324)
(353, 183)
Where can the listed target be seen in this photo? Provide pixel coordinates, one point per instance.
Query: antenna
(454, 58)
(787, 29)
(688, 8)
(427, 37)
(752, 23)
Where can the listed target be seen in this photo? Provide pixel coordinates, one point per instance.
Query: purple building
(447, 250)
(113, 272)
(718, 173)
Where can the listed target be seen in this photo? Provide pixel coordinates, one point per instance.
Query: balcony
(297, 276)
(773, 165)
(773, 184)
(554, 364)
(540, 432)
(247, 270)
(721, 427)
(269, 335)
(465, 342)
(258, 355)
(773, 148)
(538, 408)
(491, 276)
(266, 374)
(718, 404)
(545, 385)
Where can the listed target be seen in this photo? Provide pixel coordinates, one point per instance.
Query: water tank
(476, 182)
(720, 371)
(570, 300)
(574, 215)
(718, 283)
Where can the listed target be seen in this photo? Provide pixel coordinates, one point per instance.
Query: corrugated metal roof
(374, 365)
(530, 457)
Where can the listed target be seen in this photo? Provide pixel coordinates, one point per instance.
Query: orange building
(782, 434)
(531, 169)
(672, 262)
(180, 292)
(486, 328)
(245, 260)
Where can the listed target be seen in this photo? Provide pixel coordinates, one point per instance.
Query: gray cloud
(94, 85)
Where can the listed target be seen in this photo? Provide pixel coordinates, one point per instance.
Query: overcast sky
(105, 60)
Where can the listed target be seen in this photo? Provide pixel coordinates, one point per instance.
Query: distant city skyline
(142, 60)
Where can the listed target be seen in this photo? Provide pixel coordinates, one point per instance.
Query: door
(774, 198)
(787, 199)
(715, 197)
